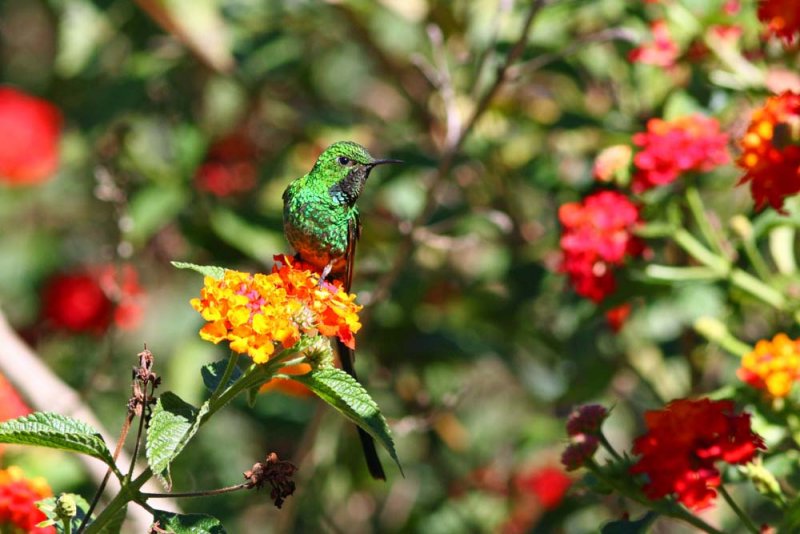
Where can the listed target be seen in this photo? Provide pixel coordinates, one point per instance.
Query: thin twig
(101, 488)
(45, 391)
(449, 155)
(203, 493)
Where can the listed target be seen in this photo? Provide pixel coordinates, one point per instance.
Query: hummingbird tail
(347, 356)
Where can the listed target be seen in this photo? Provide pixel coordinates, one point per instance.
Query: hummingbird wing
(353, 234)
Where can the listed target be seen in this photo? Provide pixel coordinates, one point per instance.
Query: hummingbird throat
(348, 189)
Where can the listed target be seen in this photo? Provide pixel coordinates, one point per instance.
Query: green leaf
(217, 273)
(344, 393)
(188, 523)
(151, 209)
(625, 526)
(212, 374)
(44, 429)
(172, 425)
(254, 240)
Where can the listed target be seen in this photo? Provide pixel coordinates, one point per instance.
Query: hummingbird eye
(343, 160)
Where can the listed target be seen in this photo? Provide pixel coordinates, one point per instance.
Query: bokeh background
(182, 121)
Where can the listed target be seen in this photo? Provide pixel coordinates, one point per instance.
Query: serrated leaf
(345, 394)
(212, 374)
(172, 425)
(217, 273)
(55, 431)
(625, 526)
(188, 523)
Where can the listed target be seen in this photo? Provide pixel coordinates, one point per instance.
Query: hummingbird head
(344, 168)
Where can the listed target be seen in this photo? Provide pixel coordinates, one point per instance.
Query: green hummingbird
(320, 221)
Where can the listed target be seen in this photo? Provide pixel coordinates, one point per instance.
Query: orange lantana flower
(771, 152)
(257, 312)
(773, 365)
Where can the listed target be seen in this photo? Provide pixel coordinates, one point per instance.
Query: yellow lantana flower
(773, 365)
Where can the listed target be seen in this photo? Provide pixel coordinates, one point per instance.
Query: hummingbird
(321, 223)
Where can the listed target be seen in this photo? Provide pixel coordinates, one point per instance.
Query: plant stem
(699, 213)
(665, 507)
(204, 493)
(233, 360)
(717, 332)
(67, 525)
(607, 446)
(739, 278)
(130, 491)
(739, 512)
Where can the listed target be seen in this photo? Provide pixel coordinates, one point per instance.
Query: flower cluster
(597, 236)
(682, 444)
(30, 131)
(18, 496)
(771, 151)
(669, 148)
(782, 18)
(254, 312)
(584, 426)
(662, 51)
(91, 299)
(773, 365)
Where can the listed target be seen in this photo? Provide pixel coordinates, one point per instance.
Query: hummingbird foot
(325, 272)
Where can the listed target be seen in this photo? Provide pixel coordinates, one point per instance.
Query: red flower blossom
(662, 51)
(682, 443)
(229, 167)
(547, 485)
(91, 299)
(771, 151)
(617, 316)
(597, 236)
(18, 496)
(782, 18)
(586, 419)
(29, 135)
(580, 450)
(692, 143)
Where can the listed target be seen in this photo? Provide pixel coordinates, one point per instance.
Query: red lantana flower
(30, 129)
(229, 167)
(682, 444)
(617, 316)
(782, 18)
(771, 151)
(18, 496)
(92, 299)
(596, 238)
(547, 485)
(691, 143)
(662, 51)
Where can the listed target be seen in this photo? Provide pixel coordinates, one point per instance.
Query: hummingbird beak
(377, 162)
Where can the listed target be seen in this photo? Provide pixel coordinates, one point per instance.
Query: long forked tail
(346, 355)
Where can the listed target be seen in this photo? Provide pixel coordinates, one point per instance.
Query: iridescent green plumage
(320, 220)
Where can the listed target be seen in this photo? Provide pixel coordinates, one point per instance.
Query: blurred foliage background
(183, 121)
